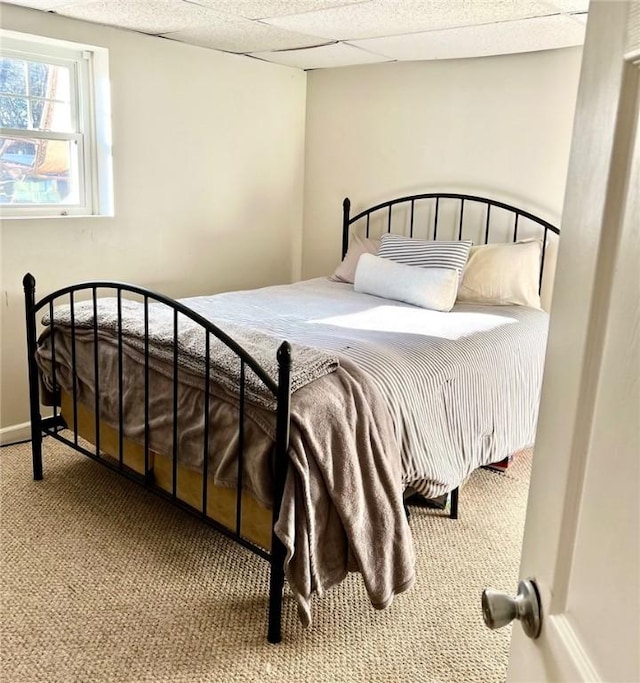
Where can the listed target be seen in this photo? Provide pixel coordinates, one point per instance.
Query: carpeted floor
(103, 581)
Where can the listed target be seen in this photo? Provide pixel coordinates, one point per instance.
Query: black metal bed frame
(54, 426)
(432, 230)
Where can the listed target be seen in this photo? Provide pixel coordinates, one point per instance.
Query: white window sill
(54, 217)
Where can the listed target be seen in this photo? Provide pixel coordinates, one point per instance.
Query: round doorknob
(500, 609)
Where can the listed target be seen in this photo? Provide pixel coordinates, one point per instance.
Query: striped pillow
(425, 253)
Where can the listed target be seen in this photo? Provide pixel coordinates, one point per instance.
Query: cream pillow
(433, 288)
(502, 274)
(346, 271)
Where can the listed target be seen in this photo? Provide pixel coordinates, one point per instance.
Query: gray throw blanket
(342, 508)
(311, 363)
(343, 511)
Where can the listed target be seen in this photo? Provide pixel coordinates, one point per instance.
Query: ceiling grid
(312, 34)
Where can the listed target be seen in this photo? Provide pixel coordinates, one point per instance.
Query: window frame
(90, 118)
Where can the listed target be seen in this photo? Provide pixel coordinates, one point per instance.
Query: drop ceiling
(313, 34)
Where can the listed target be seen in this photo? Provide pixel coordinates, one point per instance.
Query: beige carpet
(103, 581)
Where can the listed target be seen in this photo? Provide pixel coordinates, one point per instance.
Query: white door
(582, 531)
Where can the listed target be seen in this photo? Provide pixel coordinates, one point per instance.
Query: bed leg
(276, 588)
(278, 551)
(36, 450)
(453, 512)
(29, 283)
(407, 512)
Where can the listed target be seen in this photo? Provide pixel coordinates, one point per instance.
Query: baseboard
(15, 433)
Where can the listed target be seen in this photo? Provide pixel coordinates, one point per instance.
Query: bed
(304, 450)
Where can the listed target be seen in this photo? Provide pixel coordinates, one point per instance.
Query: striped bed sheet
(462, 387)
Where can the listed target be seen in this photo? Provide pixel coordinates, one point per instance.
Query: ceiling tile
(567, 5)
(390, 17)
(235, 34)
(322, 57)
(527, 35)
(580, 17)
(260, 9)
(147, 16)
(44, 4)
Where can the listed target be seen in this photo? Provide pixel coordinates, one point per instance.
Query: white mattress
(462, 387)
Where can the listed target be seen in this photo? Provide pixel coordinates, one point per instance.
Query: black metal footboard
(52, 426)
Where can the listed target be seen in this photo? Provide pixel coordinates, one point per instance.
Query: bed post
(453, 512)
(278, 551)
(29, 283)
(346, 208)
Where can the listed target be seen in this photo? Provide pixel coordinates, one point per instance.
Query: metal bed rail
(53, 426)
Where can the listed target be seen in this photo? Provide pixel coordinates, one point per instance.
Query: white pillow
(425, 253)
(433, 288)
(346, 271)
(503, 274)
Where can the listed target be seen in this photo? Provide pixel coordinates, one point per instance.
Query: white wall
(210, 160)
(499, 126)
(208, 163)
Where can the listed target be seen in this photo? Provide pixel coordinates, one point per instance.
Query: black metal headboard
(431, 207)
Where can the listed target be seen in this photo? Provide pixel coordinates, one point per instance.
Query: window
(54, 128)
